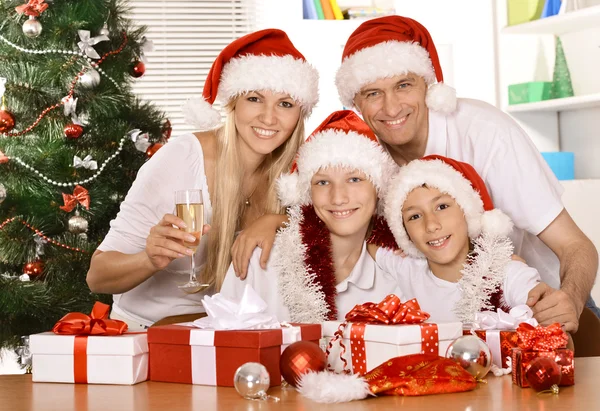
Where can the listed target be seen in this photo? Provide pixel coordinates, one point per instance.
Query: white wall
(322, 43)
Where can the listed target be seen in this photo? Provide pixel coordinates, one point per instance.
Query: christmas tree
(561, 81)
(72, 137)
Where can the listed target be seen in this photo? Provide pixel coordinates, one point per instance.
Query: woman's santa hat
(263, 60)
(455, 178)
(342, 140)
(392, 46)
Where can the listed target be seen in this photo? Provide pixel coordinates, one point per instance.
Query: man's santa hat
(455, 178)
(263, 60)
(392, 46)
(342, 140)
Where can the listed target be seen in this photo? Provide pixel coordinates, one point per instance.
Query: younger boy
(458, 254)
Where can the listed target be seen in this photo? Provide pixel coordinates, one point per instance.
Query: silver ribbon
(2, 87)
(70, 108)
(39, 245)
(147, 46)
(87, 162)
(87, 42)
(140, 140)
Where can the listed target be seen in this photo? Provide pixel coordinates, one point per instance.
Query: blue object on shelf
(309, 10)
(562, 164)
(551, 8)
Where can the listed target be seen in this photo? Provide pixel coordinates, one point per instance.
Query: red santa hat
(455, 178)
(342, 140)
(391, 46)
(263, 60)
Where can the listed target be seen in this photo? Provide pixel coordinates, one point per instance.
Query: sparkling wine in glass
(190, 208)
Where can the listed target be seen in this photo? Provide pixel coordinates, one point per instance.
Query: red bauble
(543, 373)
(299, 358)
(150, 151)
(34, 269)
(7, 121)
(138, 69)
(73, 131)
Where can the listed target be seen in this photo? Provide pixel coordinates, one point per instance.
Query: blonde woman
(268, 89)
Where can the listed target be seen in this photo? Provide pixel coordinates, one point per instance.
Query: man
(391, 74)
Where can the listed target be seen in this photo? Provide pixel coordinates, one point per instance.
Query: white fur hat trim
(282, 74)
(334, 148)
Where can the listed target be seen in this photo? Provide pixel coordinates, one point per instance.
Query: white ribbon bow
(500, 320)
(140, 140)
(2, 87)
(87, 42)
(70, 108)
(249, 314)
(147, 46)
(40, 242)
(87, 162)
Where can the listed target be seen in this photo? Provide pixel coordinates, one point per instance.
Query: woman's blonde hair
(228, 205)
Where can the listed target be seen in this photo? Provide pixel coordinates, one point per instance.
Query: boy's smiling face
(436, 225)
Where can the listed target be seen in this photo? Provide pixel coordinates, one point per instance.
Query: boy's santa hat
(342, 140)
(392, 46)
(455, 178)
(263, 60)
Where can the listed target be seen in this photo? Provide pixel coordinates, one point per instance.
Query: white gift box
(119, 359)
(368, 346)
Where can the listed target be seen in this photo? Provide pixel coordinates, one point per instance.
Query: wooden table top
(18, 393)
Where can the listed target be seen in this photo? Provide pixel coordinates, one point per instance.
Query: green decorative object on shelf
(561, 80)
(522, 11)
(529, 92)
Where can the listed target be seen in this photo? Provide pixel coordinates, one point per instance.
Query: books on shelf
(331, 10)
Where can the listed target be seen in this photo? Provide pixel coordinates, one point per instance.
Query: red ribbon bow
(80, 195)
(541, 338)
(388, 311)
(97, 323)
(32, 8)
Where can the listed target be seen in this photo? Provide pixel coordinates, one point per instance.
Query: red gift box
(191, 355)
(501, 344)
(542, 341)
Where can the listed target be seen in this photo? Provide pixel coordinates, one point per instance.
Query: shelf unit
(575, 21)
(558, 105)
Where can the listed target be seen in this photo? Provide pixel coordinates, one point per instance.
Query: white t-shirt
(365, 283)
(178, 165)
(520, 182)
(438, 297)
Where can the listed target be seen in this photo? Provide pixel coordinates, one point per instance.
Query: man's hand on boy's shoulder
(550, 306)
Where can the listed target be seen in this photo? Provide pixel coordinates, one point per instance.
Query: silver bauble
(32, 28)
(104, 31)
(2, 193)
(472, 353)
(252, 381)
(78, 224)
(90, 79)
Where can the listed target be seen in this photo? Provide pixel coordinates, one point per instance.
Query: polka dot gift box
(375, 332)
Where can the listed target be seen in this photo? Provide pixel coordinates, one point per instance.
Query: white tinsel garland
(304, 299)
(482, 275)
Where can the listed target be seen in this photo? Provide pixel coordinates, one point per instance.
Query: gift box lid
(396, 334)
(126, 344)
(179, 334)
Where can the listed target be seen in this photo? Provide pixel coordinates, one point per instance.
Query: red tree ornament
(138, 69)
(34, 269)
(299, 358)
(7, 121)
(543, 374)
(150, 151)
(73, 131)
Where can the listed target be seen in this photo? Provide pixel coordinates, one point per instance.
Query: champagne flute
(190, 208)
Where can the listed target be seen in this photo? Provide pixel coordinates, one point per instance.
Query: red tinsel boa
(318, 259)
